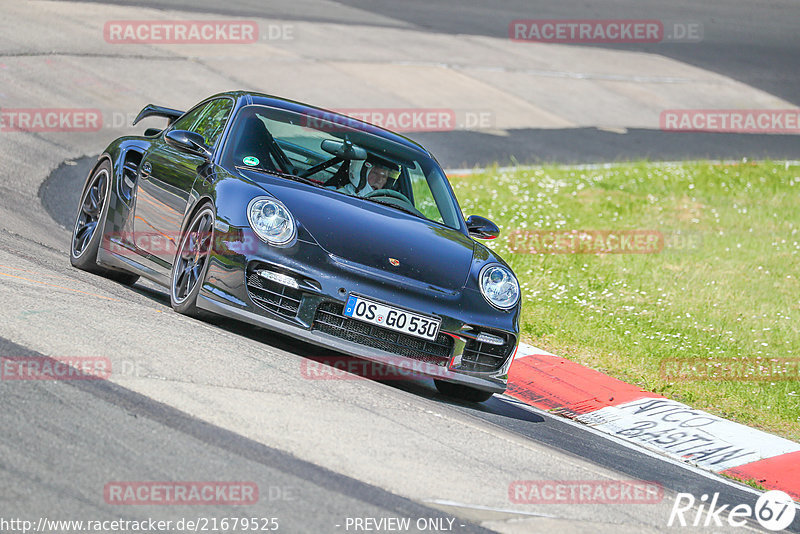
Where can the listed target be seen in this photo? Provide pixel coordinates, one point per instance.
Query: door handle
(147, 168)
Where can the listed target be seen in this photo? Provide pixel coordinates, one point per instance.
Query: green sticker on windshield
(250, 160)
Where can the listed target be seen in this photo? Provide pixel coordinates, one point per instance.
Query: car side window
(208, 120)
(187, 121)
(424, 199)
(212, 120)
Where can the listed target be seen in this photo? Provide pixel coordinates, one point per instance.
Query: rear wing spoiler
(151, 110)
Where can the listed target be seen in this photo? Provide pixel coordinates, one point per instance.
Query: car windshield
(323, 150)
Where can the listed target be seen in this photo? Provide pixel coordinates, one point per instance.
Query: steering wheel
(391, 193)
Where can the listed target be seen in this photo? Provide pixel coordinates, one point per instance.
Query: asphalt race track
(757, 47)
(220, 401)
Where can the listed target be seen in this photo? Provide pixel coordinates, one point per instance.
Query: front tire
(461, 392)
(89, 222)
(191, 262)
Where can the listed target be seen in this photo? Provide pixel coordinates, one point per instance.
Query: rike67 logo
(774, 510)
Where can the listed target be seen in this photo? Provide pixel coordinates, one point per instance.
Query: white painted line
(529, 350)
(695, 436)
(676, 430)
(710, 475)
(488, 508)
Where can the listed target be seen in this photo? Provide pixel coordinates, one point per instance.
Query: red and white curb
(633, 414)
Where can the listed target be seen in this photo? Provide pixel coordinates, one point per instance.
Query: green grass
(752, 482)
(725, 285)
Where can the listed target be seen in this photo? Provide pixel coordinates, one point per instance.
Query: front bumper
(324, 283)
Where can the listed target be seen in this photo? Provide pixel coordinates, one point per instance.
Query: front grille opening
(273, 296)
(329, 319)
(485, 357)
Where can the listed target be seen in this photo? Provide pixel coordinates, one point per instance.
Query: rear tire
(461, 392)
(191, 263)
(89, 222)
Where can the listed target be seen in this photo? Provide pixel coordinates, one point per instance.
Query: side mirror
(188, 141)
(481, 227)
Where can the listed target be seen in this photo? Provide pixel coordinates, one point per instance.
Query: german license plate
(393, 318)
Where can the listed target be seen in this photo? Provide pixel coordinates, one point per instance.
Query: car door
(167, 175)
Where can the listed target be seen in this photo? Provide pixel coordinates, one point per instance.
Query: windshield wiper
(396, 206)
(280, 174)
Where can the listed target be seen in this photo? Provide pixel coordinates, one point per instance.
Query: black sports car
(309, 223)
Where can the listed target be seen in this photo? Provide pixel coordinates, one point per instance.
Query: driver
(370, 175)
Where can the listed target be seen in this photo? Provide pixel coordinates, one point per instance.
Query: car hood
(370, 235)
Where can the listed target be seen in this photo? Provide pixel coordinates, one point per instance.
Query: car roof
(249, 97)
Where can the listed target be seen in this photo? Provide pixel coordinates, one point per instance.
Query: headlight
(499, 286)
(270, 220)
